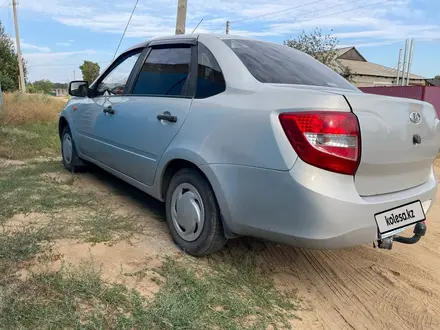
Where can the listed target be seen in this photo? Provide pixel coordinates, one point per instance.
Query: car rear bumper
(306, 206)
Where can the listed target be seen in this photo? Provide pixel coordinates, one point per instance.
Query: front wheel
(193, 215)
(71, 161)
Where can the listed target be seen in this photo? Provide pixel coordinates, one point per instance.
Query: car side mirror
(79, 88)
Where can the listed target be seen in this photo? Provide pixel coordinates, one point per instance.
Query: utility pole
(405, 58)
(74, 76)
(17, 37)
(411, 52)
(181, 16)
(398, 67)
(228, 25)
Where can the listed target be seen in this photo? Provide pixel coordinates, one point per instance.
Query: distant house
(367, 74)
(60, 92)
(433, 82)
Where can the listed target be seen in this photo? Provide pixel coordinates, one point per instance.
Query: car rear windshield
(279, 64)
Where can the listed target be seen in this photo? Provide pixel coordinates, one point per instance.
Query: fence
(429, 94)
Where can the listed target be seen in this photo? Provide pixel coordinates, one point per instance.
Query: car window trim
(190, 84)
(121, 58)
(134, 75)
(173, 41)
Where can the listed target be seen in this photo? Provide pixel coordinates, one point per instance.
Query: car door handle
(167, 117)
(109, 110)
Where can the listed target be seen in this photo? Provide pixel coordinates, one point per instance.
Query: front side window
(115, 81)
(210, 80)
(279, 64)
(164, 73)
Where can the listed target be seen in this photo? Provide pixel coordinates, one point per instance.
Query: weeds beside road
(28, 125)
(73, 254)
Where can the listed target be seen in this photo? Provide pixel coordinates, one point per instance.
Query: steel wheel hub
(187, 212)
(67, 148)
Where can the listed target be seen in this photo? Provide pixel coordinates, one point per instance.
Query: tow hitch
(419, 231)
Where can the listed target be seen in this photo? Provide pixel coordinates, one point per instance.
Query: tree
(347, 73)
(90, 71)
(437, 77)
(8, 63)
(60, 85)
(321, 47)
(42, 86)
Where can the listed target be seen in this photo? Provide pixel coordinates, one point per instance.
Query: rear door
(400, 139)
(151, 114)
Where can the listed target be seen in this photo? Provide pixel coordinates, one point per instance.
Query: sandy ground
(365, 288)
(357, 288)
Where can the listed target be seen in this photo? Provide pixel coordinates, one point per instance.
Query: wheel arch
(62, 123)
(174, 165)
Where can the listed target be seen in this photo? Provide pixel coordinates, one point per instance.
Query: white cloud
(365, 23)
(50, 57)
(157, 18)
(27, 46)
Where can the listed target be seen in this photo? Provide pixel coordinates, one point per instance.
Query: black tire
(75, 164)
(211, 238)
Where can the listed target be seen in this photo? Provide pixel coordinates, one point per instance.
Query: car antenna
(197, 26)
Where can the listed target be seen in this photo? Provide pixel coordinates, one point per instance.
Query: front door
(151, 114)
(94, 115)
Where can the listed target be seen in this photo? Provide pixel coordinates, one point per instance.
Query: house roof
(433, 82)
(364, 67)
(372, 69)
(341, 51)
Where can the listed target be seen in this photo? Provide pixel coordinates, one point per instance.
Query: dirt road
(365, 288)
(358, 288)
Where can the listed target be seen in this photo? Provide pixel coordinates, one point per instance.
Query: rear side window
(279, 64)
(210, 80)
(164, 72)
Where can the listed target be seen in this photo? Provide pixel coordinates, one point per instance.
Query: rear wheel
(71, 161)
(193, 215)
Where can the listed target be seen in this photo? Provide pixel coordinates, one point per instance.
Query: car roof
(187, 36)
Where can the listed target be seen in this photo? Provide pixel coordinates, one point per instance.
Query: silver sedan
(244, 137)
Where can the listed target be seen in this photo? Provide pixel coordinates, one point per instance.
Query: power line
(339, 12)
(254, 17)
(331, 7)
(6, 3)
(126, 27)
(277, 12)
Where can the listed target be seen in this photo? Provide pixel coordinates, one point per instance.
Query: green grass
(25, 190)
(234, 297)
(16, 248)
(106, 226)
(230, 295)
(29, 140)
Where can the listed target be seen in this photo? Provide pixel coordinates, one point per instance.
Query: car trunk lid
(399, 141)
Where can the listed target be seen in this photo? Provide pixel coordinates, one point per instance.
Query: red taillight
(325, 139)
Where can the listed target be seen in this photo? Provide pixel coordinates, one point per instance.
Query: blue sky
(57, 35)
